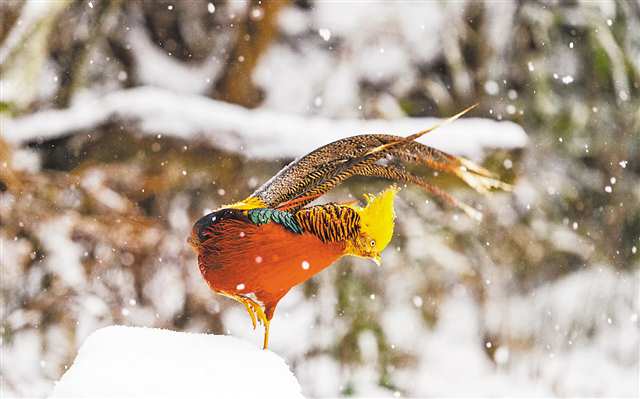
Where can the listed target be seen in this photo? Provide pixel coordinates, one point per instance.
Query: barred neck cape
(256, 249)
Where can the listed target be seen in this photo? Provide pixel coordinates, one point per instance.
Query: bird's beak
(377, 259)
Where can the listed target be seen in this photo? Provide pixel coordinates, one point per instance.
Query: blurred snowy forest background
(124, 121)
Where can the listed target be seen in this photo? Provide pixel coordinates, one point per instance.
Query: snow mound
(123, 362)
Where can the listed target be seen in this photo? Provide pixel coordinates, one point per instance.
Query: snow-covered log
(259, 133)
(119, 362)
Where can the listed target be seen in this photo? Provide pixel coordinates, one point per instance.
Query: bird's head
(376, 225)
(200, 231)
(210, 226)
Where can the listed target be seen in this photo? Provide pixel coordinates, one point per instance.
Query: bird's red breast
(267, 260)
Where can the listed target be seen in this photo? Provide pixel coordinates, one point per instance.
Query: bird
(255, 250)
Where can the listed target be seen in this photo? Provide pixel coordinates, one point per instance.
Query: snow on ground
(257, 133)
(122, 361)
(577, 336)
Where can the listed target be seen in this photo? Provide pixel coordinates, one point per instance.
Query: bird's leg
(255, 312)
(265, 342)
(261, 316)
(269, 309)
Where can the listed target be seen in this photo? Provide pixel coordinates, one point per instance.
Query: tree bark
(253, 38)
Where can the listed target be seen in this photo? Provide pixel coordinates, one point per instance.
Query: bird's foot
(256, 313)
(251, 313)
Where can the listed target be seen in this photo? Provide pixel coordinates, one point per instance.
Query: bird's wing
(321, 170)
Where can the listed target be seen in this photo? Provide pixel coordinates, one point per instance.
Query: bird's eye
(373, 243)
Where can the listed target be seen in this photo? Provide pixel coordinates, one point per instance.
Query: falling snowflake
(567, 79)
(417, 301)
(325, 34)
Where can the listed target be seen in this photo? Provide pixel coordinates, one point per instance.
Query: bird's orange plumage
(264, 260)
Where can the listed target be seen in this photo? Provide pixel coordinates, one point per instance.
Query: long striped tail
(479, 178)
(313, 175)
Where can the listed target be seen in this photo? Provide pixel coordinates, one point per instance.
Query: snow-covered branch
(259, 133)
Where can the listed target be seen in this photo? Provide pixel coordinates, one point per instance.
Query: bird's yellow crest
(377, 220)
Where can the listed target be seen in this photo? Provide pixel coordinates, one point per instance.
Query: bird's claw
(259, 313)
(255, 312)
(254, 309)
(251, 314)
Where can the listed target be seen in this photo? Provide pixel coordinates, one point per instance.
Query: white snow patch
(292, 21)
(13, 252)
(285, 74)
(323, 376)
(585, 341)
(31, 12)
(26, 160)
(167, 302)
(123, 362)
(93, 182)
(157, 68)
(255, 133)
(21, 362)
(456, 342)
(411, 25)
(63, 254)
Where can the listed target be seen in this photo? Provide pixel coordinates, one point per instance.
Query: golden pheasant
(256, 250)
